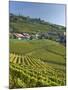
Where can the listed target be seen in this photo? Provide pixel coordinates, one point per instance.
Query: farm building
(20, 36)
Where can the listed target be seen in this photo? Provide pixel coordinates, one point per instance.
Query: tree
(31, 37)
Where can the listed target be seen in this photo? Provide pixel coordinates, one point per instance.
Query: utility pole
(20, 11)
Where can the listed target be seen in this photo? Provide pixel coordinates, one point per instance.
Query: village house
(26, 35)
(21, 36)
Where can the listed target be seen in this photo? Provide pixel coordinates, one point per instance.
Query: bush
(32, 82)
(20, 83)
(41, 83)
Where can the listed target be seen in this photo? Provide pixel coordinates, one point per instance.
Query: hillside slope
(27, 24)
(37, 63)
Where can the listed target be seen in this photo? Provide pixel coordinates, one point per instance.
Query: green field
(37, 63)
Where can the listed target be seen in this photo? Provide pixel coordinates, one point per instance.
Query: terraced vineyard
(33, 68)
